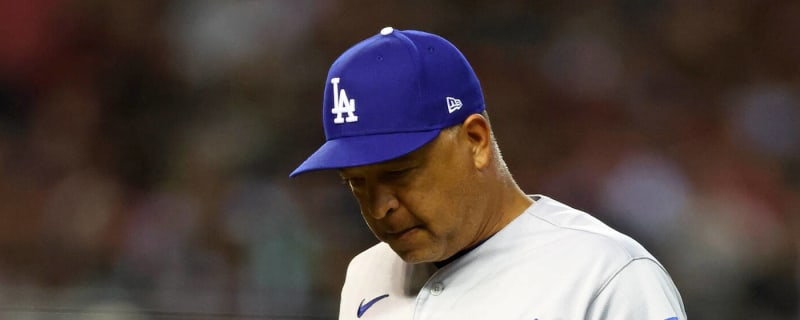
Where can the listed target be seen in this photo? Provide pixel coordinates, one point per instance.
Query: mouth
(402, 234)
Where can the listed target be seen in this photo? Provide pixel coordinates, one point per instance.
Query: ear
(478, 134)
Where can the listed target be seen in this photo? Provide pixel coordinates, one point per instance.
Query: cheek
(436, 206)
(440, 196)
(363, 203)
(455, 202)
(370, 225)
(363, 210)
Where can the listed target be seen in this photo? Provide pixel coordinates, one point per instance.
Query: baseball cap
(389, 95)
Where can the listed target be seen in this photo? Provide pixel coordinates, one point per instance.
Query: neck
(507, 202)
(515, 203)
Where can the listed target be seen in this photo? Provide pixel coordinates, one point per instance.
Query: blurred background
(145, 146)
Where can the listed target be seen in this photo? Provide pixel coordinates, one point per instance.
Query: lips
(398, 234)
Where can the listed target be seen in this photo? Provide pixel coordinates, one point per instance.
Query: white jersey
(552, 262)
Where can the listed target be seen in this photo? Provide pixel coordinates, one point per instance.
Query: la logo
(342, 105)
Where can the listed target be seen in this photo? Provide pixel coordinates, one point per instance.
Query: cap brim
(364, 150)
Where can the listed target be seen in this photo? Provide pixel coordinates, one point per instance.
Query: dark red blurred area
(145, 146)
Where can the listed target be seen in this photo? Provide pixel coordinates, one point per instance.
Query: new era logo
(453, 104)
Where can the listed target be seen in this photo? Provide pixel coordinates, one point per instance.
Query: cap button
(387, 30)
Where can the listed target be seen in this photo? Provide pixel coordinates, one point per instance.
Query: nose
(383, 202)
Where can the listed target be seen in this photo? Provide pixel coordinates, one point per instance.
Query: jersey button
(437, 288)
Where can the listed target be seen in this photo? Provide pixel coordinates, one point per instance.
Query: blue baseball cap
(391, 94)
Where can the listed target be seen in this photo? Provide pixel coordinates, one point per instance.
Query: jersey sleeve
(641, 290)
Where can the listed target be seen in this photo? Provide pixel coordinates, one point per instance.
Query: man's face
(420, 204)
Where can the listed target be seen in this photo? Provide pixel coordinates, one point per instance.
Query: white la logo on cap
(341, 105)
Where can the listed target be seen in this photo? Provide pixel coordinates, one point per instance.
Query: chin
(417, 256)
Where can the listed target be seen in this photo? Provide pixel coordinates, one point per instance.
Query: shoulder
(376, 267)
(573, 229)
(551, 237)
(379, 256)
(368, 274)
(641, 289)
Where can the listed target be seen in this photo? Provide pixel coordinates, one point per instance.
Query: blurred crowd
(145, 146)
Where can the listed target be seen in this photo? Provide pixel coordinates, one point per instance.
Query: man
(406, 128)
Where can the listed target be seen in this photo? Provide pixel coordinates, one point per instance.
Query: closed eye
(353, 183)
(396, 174)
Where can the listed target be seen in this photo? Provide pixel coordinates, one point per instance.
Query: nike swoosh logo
(363, 307)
